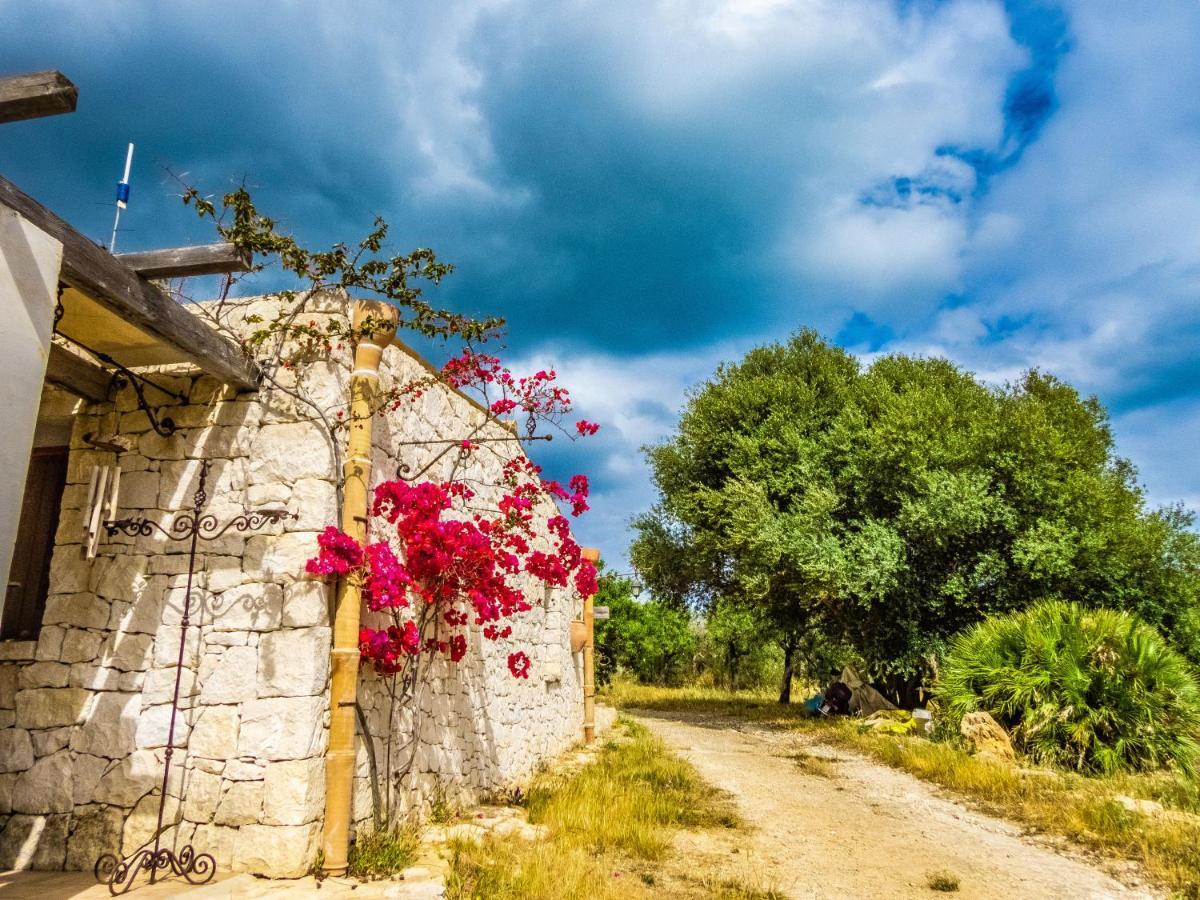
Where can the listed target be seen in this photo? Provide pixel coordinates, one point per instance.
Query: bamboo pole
(343, 691)
(589, 662)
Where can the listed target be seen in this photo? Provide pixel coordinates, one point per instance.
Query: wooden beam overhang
(95, 272)
(36, 94)
(184, 262)
(79, 376)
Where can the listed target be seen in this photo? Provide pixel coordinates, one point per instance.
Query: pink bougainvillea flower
(519, 664)
(338, 553)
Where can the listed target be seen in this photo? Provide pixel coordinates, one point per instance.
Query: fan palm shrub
(1096, 691)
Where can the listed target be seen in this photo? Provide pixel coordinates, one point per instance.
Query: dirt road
(827, 823)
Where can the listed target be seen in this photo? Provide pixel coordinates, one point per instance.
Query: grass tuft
(947, 882)
(382, 854)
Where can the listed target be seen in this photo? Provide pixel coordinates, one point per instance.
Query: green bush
(1090, 690)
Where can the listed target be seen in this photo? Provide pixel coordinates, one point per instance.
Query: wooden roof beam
(36, 94)
(184, 262)
(93, 271)
(79, 376)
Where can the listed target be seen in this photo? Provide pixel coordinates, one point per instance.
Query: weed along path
(828, 823)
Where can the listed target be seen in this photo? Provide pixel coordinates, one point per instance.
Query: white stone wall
(84, 712)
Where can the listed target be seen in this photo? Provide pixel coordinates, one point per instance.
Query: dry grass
(382, 854)
(610, 826)
(1084, 809)
(946, 882)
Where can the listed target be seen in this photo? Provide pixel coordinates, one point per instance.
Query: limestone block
(202, 793)
(248, 607)
(50, 707)
(281, 851)
(295, 792)
(226, 442)
(272, 494)
(166, 646)
(181, 479)
(133, 422)
(49, 643)
(85, 610)
(280, 557)
(305, 603)
(229, 639)
(68, 573)
(211, 766)
(34, 842)
(152, 445)
(215, 733)
(282, 728)
(119, 577)
(7, 782)
(241, 803)
(240, 770)
(159, 686)
(223, 573)
(228, 677)
(140, 824)
(87, 773)
(984, 734)
(153, 725)
(128, 652)
(128, 782)
(169, 564)
(145, 611)
(8, 686)
(138, 492)
(207, 390)
(94, 677)
(287, 453)
(110, 727)
(246, 414)
(314, 503)
(96, 832)
(130, 681)
(45, 787)
(80, 646)
(47, 742)
(16, 750)
(293, 662)
(217, 840)
(44, 674)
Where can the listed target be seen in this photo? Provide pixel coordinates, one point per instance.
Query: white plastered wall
(30, 261)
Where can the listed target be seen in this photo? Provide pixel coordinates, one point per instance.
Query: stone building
(89, 641)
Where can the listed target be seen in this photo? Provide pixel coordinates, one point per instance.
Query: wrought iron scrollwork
(196, 868)
(193, 526)
(464, 447)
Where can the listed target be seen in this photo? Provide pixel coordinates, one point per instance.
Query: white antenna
(122, 198)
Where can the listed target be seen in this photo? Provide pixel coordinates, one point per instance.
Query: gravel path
(837, 825)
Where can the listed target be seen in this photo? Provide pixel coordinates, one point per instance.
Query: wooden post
(592, 555)
(343, 690)
(36, 94)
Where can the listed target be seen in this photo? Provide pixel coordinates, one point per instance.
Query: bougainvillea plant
(442, 562)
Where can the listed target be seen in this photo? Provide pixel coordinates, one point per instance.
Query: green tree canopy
(894, 505)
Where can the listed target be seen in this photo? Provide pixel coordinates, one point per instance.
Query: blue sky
(645, 189)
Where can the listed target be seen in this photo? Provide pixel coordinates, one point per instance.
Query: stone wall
(84, 712)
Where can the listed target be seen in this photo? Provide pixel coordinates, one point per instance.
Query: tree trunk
(789, 666)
